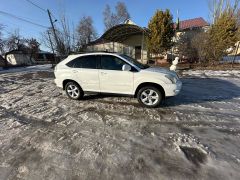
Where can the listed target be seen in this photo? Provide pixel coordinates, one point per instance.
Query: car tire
(74, 91)
(149, 96)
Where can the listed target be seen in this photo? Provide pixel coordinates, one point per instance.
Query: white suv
(115, 74)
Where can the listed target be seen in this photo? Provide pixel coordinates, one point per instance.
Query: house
(127, 38)
(191, 27)
(233, 54)
(18, 57)
(3, 62)
(188, 29)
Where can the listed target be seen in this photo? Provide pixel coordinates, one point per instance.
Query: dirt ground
(45, 135)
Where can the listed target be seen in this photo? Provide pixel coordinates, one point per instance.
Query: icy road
(45, 135)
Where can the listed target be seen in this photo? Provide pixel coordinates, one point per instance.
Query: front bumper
(173, 89)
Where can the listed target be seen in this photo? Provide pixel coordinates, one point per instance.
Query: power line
(51, 14)
(34, 4)
(33, 23)
(21, 19)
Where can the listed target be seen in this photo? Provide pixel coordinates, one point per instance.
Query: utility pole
(53, 29)
(51, 47)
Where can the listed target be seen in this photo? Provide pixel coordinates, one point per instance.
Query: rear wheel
(73, 90)
(149, 96)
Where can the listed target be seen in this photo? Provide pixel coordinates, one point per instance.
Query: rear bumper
(58, 83)
(173, 89)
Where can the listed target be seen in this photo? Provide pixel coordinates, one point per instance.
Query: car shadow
(194, 90)
(93, 96)
(200, 90)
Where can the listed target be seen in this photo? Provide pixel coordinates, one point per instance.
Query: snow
(211, 73)
(26, 69)
(45, 135)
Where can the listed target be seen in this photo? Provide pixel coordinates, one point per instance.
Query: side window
(111, 63)
(87, 62)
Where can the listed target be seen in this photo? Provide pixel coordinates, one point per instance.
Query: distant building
(193, 24)
(43, 57)
(235, 49)
(3, 62)
(130, 39)
(18, 57)
(127, 38)
(189, 28)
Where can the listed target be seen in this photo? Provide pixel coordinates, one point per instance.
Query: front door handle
(103, 73)
(74, 71)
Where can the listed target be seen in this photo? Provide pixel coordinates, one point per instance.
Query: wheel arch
(158, 86)
(69, 80)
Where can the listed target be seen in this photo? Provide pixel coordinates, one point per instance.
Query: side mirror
(126, 67)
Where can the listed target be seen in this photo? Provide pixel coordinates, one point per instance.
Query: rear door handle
(74, 71)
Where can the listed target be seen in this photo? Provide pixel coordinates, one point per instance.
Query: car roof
(92, 53)
(73, 56)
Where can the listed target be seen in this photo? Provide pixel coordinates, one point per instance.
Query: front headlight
(171, 78)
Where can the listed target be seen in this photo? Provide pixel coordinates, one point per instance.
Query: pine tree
(222, 35)
(161, 32)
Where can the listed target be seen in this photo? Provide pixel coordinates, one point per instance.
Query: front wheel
(149, 96)
(73, 90)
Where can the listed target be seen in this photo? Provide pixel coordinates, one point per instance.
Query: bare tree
(108, 17)
(65, 37)
(48, 40)
(112, 19)
(15, 42)
(32, 47)
(121, 12)
(86, 31)
(217, 7)
(200, 43)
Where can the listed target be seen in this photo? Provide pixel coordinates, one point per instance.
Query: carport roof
(120, 33)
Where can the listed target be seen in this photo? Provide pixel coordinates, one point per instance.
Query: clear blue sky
(140, 10)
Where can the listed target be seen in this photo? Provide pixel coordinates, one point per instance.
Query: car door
(112, 78)
(85, 70)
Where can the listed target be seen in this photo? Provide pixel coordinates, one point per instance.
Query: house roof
(192, 23)
(120, 33)
(14, 52)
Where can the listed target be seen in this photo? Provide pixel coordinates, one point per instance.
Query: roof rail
(85, 52)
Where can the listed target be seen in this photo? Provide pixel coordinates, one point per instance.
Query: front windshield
(135, 62)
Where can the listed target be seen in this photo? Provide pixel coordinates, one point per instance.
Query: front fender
(139, 81)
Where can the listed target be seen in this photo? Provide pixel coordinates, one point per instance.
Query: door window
(87, 62)
(112, 63)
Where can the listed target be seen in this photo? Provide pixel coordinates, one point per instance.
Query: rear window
(87, 62)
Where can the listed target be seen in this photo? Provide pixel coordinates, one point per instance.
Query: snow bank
(211, 73)
(46, 67)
